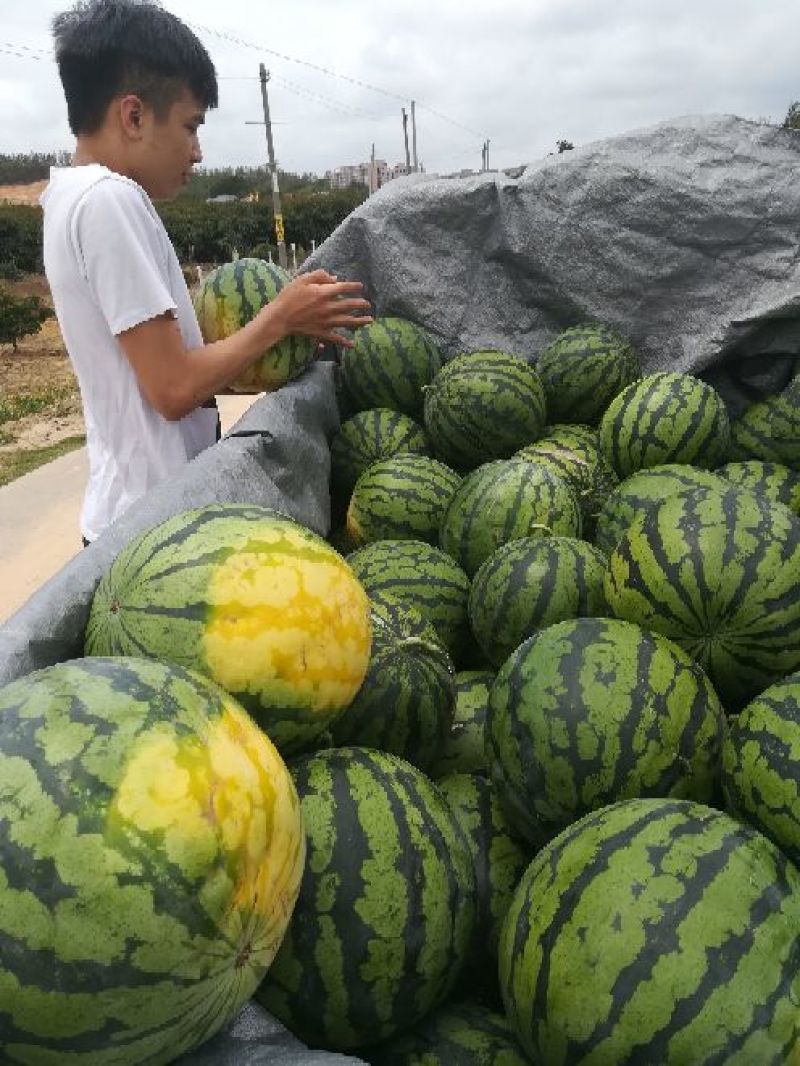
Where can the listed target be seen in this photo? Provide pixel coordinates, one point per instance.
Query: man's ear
(131, 113)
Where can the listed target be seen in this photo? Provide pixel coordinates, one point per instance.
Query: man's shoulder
(94, 187)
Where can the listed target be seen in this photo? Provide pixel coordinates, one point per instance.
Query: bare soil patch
(39, 399)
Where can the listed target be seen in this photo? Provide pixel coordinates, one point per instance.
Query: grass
(15, 464)
(13, 408)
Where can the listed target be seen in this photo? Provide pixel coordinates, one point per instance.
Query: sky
(521, 73)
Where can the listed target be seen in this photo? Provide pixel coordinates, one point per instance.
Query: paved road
(39, 518)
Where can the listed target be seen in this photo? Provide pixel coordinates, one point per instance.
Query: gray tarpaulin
(276, 455)
(683, 236)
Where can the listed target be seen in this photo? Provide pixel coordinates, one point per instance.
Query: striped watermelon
(463, 750)
(592, 711)
(665, 418)
(718, 572)
(367, 437)
(582, 371)
(641, 492)
(387, 906)
(424, 577)
(228, 298)
(406, 703)
(573, 453)
(392, 362)
(770, 429)
(403, 497)
(502, 501)
(483, 405)
(252, 600)
(499, 859)
(532, 583)
(151, 851)
(777, 482)
(462, 1034)
(759, 765)
(655, 931)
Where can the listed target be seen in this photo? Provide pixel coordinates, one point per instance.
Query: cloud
(520, 72)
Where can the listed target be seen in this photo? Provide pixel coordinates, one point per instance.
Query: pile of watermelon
(506, 771)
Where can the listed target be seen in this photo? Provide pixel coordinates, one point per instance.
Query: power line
(290, 59)
(22, 51)
(326, 70)
(336, 105)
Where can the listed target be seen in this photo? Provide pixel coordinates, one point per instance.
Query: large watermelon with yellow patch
(151, 852)
(249, 598)
(228, 298)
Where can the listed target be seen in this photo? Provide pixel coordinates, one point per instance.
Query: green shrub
(20, 316)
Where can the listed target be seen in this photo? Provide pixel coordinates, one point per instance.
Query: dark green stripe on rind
(112, 949)
(426, 578)
(641, 492)
(665, 418)
(529, 584)
(718, 572)
(775, 481)
(463, 750)
(502, 501)
(673, 927)
(483, 405)
(499, 858)
(390, 364)
(463, 1034)
(233, 294)
(770, 429)
(573, 453)
(406, 703)
(589, 712)
(583, 370)
(369, 436)
(759, 766)
(154, 601)
(386, 908)
(403, 497)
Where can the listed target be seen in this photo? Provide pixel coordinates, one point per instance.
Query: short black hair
(106, 48)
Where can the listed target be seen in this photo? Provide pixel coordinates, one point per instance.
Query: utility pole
(276, 195)
(414, 134)
(483, 156)
(487, 153)
(373, 184)
(405, 138)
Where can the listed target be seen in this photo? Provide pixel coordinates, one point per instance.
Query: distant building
(372, 174)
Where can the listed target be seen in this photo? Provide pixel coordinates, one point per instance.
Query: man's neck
(96, 150)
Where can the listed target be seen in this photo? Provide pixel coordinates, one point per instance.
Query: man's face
(169, 147)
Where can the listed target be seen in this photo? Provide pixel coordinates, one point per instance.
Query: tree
(564, 146)
(792, 120)
(20, 316)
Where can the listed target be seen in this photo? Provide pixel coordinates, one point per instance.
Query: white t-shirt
(111, 266)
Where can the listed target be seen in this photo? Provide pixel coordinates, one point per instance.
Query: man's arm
(176, 380)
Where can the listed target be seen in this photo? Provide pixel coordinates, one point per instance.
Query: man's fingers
(337, 338)
(317, 276)
(350, 321)
(343, 306)
(341, 288)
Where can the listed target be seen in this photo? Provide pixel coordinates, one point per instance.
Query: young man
(137, 84)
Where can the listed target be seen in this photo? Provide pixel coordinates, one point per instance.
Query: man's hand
(318, 305)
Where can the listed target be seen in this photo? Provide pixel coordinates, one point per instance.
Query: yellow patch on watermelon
(224, 809)
(289, 627)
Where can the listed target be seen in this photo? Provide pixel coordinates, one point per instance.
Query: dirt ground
(37, 373)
